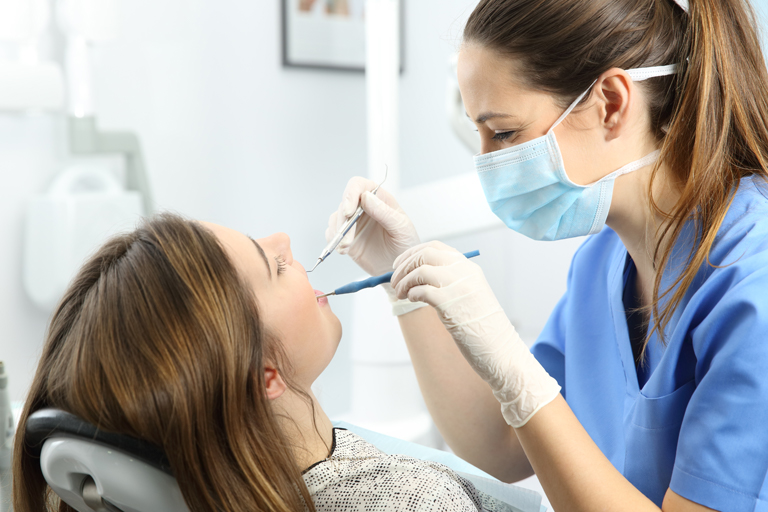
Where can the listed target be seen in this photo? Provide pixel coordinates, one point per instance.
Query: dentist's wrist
(496, 352)
(401, 306)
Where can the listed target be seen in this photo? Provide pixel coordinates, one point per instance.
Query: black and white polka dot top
(358, 477)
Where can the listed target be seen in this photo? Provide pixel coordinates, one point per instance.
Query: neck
(311, 436)
(638, 224)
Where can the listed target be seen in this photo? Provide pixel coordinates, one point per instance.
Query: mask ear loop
(630, 167)
(637, 75)
(640, 74)
(571, 107)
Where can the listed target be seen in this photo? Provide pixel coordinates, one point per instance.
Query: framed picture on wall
(327, 34)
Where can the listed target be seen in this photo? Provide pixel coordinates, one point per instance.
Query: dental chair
(96, 471)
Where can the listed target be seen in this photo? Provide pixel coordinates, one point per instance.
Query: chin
(334, 328)
(339, 331)
(336, 337)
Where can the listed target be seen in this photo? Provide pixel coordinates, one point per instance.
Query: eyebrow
(491, 115)
(263, 255)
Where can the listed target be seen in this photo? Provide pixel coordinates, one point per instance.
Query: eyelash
(503, 135)
(280, 264)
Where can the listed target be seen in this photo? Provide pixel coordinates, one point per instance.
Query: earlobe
(274, 383)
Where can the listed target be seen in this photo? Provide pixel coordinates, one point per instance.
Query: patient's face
(307, 328)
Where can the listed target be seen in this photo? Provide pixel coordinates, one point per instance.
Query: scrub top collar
(637, 323)
(616, 294)
(655, 350)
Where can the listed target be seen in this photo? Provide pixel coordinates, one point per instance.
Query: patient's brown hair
(158, 338)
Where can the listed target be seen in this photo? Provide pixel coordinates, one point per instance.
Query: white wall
(30, 148)
(233, 137)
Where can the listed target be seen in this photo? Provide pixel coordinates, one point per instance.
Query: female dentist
(648, 387)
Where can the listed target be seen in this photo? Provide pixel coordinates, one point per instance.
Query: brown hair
(710, 118)
(158, 338)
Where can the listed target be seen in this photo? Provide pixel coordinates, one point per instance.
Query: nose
(280, 243)
(283, 243)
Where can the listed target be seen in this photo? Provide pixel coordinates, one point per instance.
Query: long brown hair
(710, 118)
(158, 338)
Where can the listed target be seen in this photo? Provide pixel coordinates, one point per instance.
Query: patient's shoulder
(358, 476)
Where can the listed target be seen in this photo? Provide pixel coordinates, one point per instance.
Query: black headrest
(46, 423)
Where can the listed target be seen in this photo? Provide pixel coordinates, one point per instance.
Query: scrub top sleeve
(549, 349)
(722, 451)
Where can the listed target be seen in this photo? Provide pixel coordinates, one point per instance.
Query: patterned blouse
(358, 477)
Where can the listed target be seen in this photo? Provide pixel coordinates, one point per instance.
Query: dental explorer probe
(375, 281)
(346, 227)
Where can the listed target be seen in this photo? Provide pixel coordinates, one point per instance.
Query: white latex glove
(456, 287)
(381, 234)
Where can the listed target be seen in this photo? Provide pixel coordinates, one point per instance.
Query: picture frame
(327, 34)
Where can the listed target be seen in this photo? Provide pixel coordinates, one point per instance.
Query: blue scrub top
(699, 424)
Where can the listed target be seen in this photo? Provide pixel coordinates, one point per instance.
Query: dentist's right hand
(456, 287)
(381, 234)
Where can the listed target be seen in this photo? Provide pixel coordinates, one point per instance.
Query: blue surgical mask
(527, 186)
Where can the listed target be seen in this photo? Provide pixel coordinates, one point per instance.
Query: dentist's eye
(503, 135)
(280, 264)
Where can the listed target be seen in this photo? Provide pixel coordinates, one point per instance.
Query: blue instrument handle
(377, 280)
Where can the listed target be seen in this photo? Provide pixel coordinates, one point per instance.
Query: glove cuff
(518, 412)
(401, 306)
(390, 292)
(404, 306)
(518, 381)
(526, 386)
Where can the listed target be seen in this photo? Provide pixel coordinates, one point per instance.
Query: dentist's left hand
(456, 287)
(381, 234)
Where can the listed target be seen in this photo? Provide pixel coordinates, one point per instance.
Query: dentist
(648, 387)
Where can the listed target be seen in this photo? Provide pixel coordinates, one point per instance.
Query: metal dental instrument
(346, 227)
(374, 281)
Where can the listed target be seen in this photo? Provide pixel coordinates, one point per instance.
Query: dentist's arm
(461, 404)
(573, 471)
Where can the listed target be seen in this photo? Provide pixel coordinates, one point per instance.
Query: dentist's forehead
(490, 88)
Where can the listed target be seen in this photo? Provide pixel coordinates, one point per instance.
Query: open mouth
(323, 300)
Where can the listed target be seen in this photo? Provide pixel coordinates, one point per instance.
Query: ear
(274, 383)
(615, 92)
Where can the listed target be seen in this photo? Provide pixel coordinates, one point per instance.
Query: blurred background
(230, 134)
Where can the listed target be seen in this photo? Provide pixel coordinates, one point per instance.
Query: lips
(322, 301)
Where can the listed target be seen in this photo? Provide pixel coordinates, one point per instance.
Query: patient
(205, 342)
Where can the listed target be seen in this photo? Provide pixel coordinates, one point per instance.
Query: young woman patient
(204, 342)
